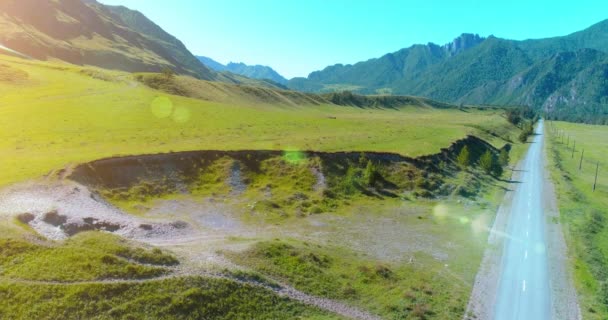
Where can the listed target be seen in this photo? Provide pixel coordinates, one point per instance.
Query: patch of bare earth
(59, 209)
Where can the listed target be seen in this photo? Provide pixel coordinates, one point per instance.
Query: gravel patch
(59, 209)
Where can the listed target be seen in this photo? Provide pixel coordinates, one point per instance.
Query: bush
(486, 162)
(527, 130)
(370, 174)
(513, 117)
(168, 73)
(503, 158)
(464, 157)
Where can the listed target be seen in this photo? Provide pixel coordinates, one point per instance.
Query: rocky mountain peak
(462, 43)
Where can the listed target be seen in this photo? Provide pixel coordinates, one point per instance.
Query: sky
(296, 37)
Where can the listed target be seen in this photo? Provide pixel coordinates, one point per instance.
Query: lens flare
(181, 115)
(161, 107)
(539, 248)
(294, 157)
(480, 223)
(440, 211)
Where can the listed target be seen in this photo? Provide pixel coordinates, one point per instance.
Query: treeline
(524, 118)
(600, 118)
(348, 98)
(488, 162)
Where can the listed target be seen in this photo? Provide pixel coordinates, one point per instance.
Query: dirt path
(278, 288)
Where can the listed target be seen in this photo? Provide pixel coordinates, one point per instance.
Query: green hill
(87, 32)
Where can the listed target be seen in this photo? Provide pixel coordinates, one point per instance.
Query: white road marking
(524, 286)
(526, 234)
(526, 255)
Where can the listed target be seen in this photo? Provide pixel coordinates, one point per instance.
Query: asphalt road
(523, 291)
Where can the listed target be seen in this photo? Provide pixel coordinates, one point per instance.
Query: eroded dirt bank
(182, 168)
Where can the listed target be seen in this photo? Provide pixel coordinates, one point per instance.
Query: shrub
(523, 137)
(370, 174)
(168, 73)
(464, 157)
(486, 162)
(503, 158)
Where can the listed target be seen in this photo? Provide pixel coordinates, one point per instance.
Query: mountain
(567, 85)
(210, 63)
(563, 76)
(87, 32)
(254, 72)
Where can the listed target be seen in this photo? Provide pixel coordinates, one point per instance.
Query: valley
(275, 210)
(142, 181)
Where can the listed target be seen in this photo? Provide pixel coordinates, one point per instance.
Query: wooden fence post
(573, 148)
(597, 167)
(580, 163)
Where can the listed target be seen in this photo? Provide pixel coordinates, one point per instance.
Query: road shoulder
(564, 298)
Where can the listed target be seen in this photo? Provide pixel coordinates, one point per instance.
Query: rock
(25, 217)
(54, 218)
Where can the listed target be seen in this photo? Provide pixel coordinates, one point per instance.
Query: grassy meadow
(583, 211)
(54, 114)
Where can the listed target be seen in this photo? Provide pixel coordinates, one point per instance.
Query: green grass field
(391, 290)
(583, 212)
(56, 114)
(87, 256)
(53, 115)
(178, 298)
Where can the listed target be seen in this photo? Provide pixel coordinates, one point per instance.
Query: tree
(513, 117)
(523, 137)
(527, 130)
(464, 157)
(362, 159)
(168, 73)
(486, 162)
(503, 158)
(370, 174)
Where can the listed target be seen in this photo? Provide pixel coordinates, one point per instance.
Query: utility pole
(597, 167)
(580, 163)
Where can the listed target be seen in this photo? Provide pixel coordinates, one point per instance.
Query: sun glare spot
(294, 157)
(539, 247)
(181, 115)
(161, 107)
(440, 211)
(480, 224)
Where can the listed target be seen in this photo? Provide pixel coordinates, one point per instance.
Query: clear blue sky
(296, 37)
